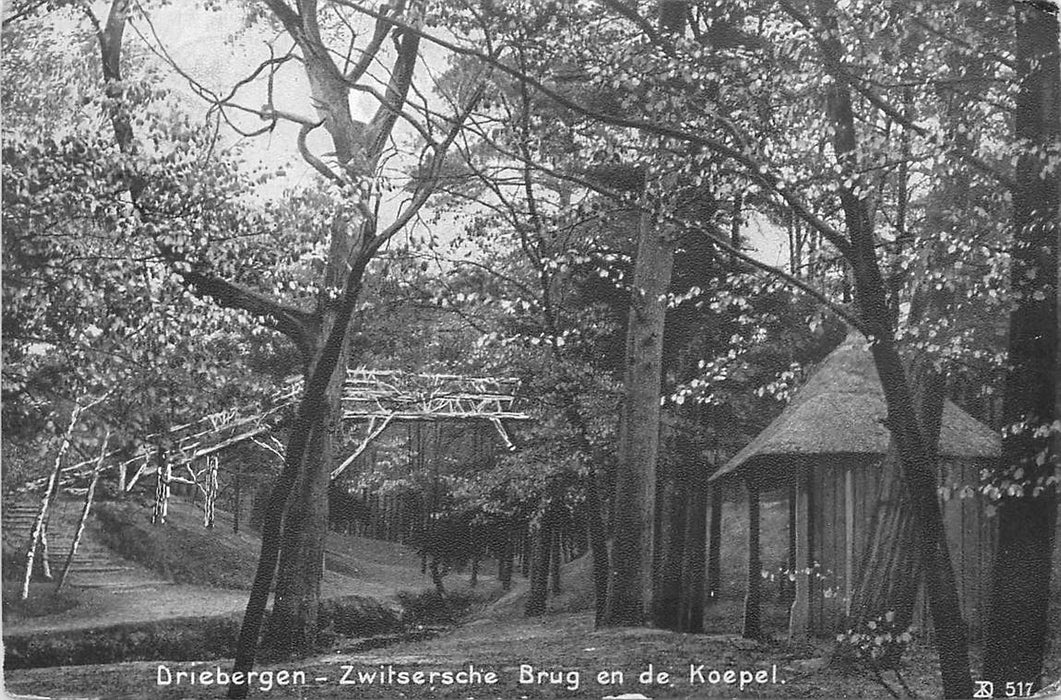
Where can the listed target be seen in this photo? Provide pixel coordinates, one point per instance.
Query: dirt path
(564, 647)
(111, 590)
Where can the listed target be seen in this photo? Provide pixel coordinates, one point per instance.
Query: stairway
(94, 565)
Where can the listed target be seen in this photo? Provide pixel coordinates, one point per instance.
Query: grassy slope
(186, 552)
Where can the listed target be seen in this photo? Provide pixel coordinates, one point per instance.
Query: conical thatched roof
(840, 411)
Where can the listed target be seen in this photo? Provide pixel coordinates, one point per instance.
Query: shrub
(431, 608)
(182, 639)
(879, 642)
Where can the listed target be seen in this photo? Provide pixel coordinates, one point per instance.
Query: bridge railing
(377, 397)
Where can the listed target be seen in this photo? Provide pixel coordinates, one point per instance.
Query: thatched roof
(840, 411)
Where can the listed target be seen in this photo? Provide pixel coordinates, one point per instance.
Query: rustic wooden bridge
(373, 397)
(188, 454)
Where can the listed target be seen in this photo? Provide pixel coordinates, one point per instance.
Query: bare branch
(382, 123)
(28, 9)
(313, 160)
(755, 170)
(719, 238)
(426, 186)
(370, 52)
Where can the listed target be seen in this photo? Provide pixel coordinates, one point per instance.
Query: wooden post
(752, 598)
(158, 514)
(84, 514)
(209, 506)
(799, 615)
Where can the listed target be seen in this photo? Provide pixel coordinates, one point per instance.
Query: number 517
(1013, 689)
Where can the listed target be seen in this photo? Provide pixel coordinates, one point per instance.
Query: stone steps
(94, 565)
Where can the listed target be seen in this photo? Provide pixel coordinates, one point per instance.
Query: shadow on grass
(182, 639)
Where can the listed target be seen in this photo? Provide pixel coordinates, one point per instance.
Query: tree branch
(379, 129)
(754, 169)
(370, 52)
(840, 72)
(294, 323)
(718, 237)
(427, 185)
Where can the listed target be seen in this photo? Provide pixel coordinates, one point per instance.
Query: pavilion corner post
(753, 596)
(799, 615)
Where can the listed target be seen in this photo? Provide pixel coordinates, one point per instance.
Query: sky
(219, 48)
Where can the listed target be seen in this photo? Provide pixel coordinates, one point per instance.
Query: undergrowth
(185, 553)
(183, 639)
(429, 608)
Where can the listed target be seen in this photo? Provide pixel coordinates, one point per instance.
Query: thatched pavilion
(826, 449)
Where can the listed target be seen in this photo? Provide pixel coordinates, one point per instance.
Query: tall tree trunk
(50, 489)
(919, 467)
(302, 457)
(920, 475)
(539, 565)
(292, 626)
(556, 559)
(693, 562)
(667, 570)
(714, 545)
(639, 439)
(598, 545)
(889, 573)
(505, 560)
(1017, 632)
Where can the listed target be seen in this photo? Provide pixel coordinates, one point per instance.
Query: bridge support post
(163, 473)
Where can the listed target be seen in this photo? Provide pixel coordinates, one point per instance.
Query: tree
(631, 566)
(1026, 483)
(87, 308)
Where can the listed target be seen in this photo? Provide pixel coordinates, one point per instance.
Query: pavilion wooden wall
(971, 535)
(828, 536)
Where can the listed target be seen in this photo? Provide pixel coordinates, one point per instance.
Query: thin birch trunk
(46, 500)
(84, 514)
